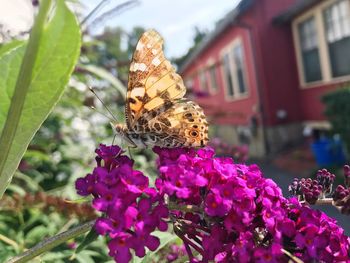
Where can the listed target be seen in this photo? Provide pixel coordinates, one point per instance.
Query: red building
(266, 66)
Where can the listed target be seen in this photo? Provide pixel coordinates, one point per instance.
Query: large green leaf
(32, 79)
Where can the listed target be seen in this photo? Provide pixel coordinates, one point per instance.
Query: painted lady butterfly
(156, 112)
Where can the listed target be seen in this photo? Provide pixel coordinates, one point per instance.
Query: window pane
(337, 23)
(308, 34)
(311, 62)
(309, 50)
(238, 58)
(213, 78)
(339, 53)
(228, 76)
(189, 83)
(203, 80)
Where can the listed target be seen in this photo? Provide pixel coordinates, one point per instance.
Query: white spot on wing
(137, 92)
(139, 66)
(156, 61)
(140, 46)
(154, 51)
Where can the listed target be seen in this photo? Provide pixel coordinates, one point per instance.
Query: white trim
(325, 64)
(212, 64)
(202, 75)
(228, 49)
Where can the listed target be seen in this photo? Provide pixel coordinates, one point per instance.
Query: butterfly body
(156, 112)
(144, 140)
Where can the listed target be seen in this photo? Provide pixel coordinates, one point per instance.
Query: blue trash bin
(328, 152)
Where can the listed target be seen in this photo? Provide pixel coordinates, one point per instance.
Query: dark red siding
(271, 66)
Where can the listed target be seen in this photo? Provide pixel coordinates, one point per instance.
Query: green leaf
(36, 234)
(104, 74)
(8, 47)
(32, 79)
(89, 238)
(85, 258)
(29, 182)
(17, 189)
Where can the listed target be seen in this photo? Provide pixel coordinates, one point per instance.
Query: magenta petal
(153, 243)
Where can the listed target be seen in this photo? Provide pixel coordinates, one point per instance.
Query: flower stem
(52, 242)
(324, 201)
(183, 208)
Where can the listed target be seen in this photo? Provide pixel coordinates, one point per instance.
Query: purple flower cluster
(314, 236)
(341, 198)
(341, 195)
(311, 190)
(347, 175)
(229, 212)
(307, 189)
(326, 180)
(131, 209)
(223, 212)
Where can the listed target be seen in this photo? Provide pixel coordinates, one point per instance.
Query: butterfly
(156, 112)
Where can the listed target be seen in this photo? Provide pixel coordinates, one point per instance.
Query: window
(203, 81)
(189, 83)
(228, 75)
(238, 58)
(322, 41)
(234, 70)
(309, 50)
(337, 27)
(213, 78)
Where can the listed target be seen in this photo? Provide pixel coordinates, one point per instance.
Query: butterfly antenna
(104, 105)
(108, 117)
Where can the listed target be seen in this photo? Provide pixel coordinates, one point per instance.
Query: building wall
(233, 134)
(278, 64)
(219, 109)
(311, 105)
(273, 83)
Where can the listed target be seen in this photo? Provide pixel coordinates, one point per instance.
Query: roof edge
(229, 18)
(298, 8)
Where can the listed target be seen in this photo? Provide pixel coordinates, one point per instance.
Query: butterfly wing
(183, 124)
(153, 83)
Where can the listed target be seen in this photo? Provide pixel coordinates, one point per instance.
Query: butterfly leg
(115, 135)
(129, 147)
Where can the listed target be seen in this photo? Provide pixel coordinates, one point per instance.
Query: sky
(175, 20)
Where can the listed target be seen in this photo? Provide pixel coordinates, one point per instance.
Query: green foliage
(113, 49)
(338, 112)
(23, 227)
(33, 78)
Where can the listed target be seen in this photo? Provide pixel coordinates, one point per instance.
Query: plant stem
(294, 258)
(52, 242)
(20, 92)
(9, 241)
(183, 208)
(324, 201)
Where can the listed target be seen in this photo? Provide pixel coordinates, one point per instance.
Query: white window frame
(229, 50)
(203, 76)
(209, 65)
(326, 70)
(189, 82)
